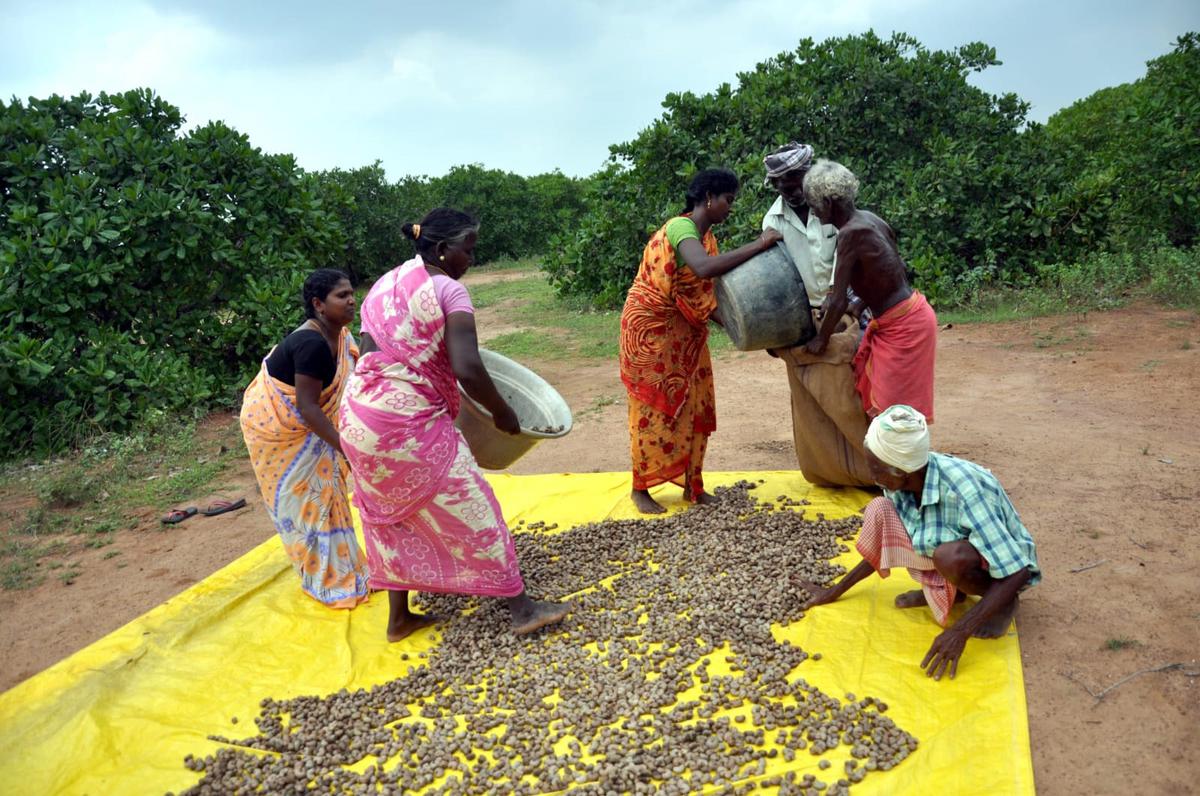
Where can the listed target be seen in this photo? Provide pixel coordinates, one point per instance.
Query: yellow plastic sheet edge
(120, 715)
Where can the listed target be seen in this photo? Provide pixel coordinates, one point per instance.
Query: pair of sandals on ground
(176, 516)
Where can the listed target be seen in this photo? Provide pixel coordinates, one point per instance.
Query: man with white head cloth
(811, 244)
(950, 523)
(827, 419)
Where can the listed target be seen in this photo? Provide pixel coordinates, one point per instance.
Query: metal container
(542, 411)
(764, 304)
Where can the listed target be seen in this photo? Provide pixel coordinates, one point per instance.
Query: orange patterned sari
(304, 483)
(666, 368)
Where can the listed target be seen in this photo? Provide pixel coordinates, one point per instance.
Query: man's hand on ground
(819, 595)
(944, 653)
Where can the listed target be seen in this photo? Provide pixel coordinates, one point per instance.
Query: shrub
(139, 267)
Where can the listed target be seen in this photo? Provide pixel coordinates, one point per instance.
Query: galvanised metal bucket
(764, 304)
(542, 411)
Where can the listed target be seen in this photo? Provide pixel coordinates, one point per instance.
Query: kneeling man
(951, 524)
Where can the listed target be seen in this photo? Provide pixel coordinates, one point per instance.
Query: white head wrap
(899, 436)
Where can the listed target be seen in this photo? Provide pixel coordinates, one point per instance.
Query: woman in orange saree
(664, 359)
(289, 422)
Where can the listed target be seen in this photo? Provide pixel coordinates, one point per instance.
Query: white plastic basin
(543, 413)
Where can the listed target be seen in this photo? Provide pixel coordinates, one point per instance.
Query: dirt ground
(1090, 422)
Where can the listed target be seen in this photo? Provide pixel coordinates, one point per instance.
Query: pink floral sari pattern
(430, 520)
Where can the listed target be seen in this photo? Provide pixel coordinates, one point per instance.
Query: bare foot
(646, 504)
(409, 625)
(915, 599)
(911, 599)
(537, 615)
(997, 626)
(705, 499)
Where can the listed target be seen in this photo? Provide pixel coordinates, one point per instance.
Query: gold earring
(442, 257)
(709, 204)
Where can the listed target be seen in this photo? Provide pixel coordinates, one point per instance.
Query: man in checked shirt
(950, 523)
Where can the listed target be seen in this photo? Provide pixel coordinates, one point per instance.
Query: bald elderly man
(828, 421)
(951, 524)
(894, 362)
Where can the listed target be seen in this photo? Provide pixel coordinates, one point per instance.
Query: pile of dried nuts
(548, 429)
(665, 678)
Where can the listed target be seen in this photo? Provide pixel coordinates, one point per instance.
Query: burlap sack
(828, 421)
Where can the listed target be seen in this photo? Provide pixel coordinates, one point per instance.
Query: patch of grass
(1000, 308)
(523, 345)
(195, 477)
(530, 289)
(72, 486)
(507, 264)
(550, 327)
(1103, 280)
(556, 328)
(39, 521)
(1058, 336)
(68, 576)
(1120, 643)
(18, 565)
(95, 493)
(111, 554)
(1186, 346)
(718, 340)
(598, 404)
(1151, 364)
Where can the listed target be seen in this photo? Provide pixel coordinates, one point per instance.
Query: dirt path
(1088, 420)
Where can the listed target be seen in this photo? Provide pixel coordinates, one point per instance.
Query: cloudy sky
(521, 85)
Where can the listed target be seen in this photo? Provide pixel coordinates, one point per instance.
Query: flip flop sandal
(175, 516)
(222, 506)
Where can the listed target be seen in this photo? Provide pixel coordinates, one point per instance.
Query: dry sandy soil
(1090, 421)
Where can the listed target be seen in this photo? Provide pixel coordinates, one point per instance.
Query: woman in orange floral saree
(664, 357)
(289, 416)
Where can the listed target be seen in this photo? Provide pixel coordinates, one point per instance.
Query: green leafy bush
(140, 267)
(518, 215)
(977, 195)
(1134, 151)
(939, 158)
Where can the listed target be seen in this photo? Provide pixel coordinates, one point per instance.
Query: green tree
(941, 160)
(140, 267)
(1129, 156)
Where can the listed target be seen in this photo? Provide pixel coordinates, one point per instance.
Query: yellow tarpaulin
(120, 715)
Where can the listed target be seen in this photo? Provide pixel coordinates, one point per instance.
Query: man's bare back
(868, 258)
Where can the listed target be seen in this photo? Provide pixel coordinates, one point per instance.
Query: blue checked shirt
(962, 500)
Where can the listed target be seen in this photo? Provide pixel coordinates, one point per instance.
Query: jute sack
(828, 421)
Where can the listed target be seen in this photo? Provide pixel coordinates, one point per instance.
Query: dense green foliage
(517, 215)
(143, 267)
(140, 268)
(1130, 155)
(977, 196)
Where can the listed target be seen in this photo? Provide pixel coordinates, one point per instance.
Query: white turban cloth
(899, 436)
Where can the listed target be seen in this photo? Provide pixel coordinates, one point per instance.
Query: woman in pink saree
(431, 521)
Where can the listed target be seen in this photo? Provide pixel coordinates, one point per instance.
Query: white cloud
(134, 46)
(525, 85)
